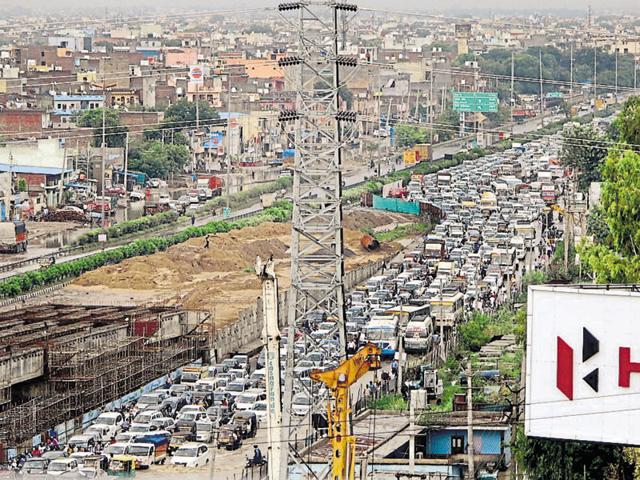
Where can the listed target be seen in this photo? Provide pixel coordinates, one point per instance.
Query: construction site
(118, 328)
(60, 362)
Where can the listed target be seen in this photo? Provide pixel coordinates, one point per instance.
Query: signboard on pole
(469, 102)
(583, 364)
(196, 75)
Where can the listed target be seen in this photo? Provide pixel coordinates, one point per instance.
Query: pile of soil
(361, 218)
(220, 278)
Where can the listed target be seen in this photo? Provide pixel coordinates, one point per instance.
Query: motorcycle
(252, 463)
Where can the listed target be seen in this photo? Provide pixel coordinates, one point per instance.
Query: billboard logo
(565, 366)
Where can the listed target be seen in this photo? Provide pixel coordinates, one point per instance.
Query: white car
(301, 404)
(112, 421)
(191, 455)
(248, 399)
(260, 409)
(193, 409)
(62, 466)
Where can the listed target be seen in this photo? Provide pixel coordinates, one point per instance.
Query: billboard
(583, 364)
(475, 102)
(196, 75)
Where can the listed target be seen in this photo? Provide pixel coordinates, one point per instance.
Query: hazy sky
(483, 6)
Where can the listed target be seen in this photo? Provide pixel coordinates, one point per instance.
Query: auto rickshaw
(122, 466)
(230, 437)
(248, 421)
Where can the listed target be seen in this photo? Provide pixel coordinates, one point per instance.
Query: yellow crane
(338, 381)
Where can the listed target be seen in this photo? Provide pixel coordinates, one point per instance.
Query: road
(353, 178)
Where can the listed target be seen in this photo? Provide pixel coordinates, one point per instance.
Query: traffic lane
(223, 463)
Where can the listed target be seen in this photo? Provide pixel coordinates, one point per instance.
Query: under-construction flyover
(58, 362)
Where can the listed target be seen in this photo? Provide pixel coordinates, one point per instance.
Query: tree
(628, 123)
(616, 258)
(115, 132)
(583, 150)
(409, 135)
(158, 160)
(545, 459)
(182, 114)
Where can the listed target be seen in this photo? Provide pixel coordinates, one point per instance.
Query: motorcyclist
(257, 455)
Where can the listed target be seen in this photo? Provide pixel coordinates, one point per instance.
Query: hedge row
(25, 282)
(130, 226)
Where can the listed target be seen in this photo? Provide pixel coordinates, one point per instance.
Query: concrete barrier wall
(248, 328)
(22, 366)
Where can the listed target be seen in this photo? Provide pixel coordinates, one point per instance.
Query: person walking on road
(193, 219)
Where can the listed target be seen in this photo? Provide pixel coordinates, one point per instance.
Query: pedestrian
(394, 367)
(206, 241)
(193, 219)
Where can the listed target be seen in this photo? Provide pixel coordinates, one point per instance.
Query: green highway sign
(554, 95)
(475, 102)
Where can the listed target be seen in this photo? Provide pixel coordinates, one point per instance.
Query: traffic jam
(495, 224)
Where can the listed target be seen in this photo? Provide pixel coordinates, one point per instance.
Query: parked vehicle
(191, 455)
(13, 237)
(62, 466)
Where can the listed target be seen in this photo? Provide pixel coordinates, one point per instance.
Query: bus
(383, 331)
(418, 335)
(447, 308)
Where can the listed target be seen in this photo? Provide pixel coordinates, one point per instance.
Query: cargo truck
(13, 237)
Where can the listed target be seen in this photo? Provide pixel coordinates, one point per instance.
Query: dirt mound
(365, 218)
(219, 278)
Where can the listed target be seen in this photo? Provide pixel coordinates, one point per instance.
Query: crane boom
(338, 381)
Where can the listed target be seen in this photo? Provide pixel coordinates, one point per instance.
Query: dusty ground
(221, 278)
(39, 229)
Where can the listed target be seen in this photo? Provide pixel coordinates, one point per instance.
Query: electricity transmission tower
(322, 127)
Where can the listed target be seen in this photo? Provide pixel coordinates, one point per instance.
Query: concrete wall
(22, 366)
(248, 328)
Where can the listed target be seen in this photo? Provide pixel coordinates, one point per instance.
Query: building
(71, 104)
(41, 163)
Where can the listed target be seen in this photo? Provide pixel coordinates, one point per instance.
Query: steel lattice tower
(322, 127)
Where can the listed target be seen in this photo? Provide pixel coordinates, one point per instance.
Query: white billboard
(583, 364)
(196, 75)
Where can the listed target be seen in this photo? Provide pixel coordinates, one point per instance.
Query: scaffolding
(97, 364)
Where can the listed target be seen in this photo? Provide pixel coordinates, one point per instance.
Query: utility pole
(541, 94)
(431, 105)
(635, 75)
(512, 99)
(228, 132)
(379, 125)
(104, 144)
(470, 452)
(126, 170)
(595, 75)
(412, 433)
(571, 72)
(616, 53)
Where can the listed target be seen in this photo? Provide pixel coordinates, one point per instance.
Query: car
(35, 466)
(301, 404)
(191, 455)
(85, 441)
(118, 448)
(150, 401)
(147, 416)
(112, 420)
(188, 419)
(260, 409)
(62, 466)
(247, 400)
(192, 409)
(237, 387)
(219, 414)
(164, 423)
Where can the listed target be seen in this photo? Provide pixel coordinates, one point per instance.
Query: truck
(13, 237)
(424, 152)
(549, 193)
(149, 449)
